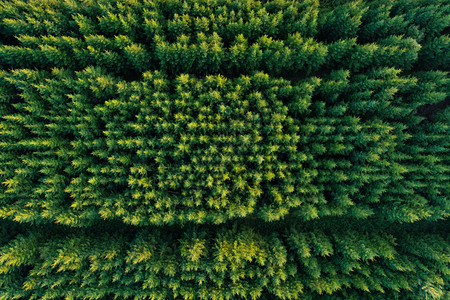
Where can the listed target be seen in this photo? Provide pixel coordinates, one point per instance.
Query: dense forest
(224, 149)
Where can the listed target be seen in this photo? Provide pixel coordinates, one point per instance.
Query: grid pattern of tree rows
(221, 149)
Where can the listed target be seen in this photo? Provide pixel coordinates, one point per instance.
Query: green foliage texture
(224, 149)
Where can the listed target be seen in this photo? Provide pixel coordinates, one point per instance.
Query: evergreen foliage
(289, 260)
(222, 149)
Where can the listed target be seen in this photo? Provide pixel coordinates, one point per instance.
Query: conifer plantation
(224, 149)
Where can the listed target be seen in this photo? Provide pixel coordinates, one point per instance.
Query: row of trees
(286, 261)
(422, 20)
(207, 55)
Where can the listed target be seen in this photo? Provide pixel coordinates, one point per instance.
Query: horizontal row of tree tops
(314, 260)
(82, 146)
(230, 37)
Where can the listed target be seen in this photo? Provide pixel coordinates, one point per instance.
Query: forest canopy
(224, 149)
